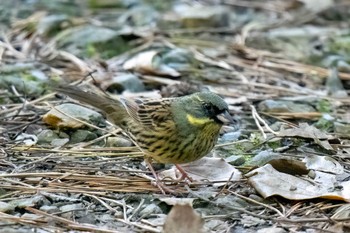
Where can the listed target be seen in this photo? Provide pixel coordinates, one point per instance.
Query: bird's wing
(149, 113)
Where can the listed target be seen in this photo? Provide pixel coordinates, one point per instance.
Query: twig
(141, 226)
(136, 210)
(258, 119)
(258, 203)
(226, 206)
(69, 223)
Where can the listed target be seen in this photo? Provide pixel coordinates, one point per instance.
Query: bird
(168, 130)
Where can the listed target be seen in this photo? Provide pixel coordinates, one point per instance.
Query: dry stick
(4, 216)
(9, 194)
(59, 197)
(33, 190)
(85, 153)
(14, 51)
(33, 162)
(39, 212)
(144, 227)
(102, 203)
(318, 229)
(150, 223)
(80, 151)
(75, 177)
(231, 143)
(258, 203)
(99, 138)
(258, 119)
(310, 220)
(14, 90)
(279, 119)
(124, 209)
(61, 177)
(76, 119)
(136, 210)
(80, 63)
(226, 184)
(129, 170)
(69, 223)
(225, 206)
(116, 202)
(28, 103)
(17, 182)
(282, 207)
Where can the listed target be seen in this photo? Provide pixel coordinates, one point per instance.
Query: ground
(282, 67)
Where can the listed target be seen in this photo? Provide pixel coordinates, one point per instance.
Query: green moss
(324, 106)
(274, 144)
(324, 124)
(108, 49)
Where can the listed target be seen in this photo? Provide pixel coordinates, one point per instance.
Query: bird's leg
(162, 187)
(184, 174)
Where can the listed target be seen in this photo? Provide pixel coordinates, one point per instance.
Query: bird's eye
(207, 106)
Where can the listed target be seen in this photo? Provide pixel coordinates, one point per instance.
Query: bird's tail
(113, 108)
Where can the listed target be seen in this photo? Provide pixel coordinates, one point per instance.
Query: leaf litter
(288, 88)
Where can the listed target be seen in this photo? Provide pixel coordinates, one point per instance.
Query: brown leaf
(148, 63)
(268, 182)
(323, 163)
(304, 131)
(211, 169)
(182, 218)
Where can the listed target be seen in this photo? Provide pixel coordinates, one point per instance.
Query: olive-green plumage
(174, 130)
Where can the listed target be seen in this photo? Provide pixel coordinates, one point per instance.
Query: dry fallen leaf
(183, 218)
(177, 201)
(323, 163)
(304, 131)
(268, 182)
(210, 169)
(289, 165)
(342, 212)
(308, 131)
(149, 63)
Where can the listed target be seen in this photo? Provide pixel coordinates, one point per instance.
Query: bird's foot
(184, 174)
(158, 182)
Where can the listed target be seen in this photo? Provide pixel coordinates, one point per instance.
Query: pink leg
(162, 187)
(184, 174)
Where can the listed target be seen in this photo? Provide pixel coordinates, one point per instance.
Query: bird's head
(202, 108)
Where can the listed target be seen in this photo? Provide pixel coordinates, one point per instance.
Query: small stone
(341, 128)
(118, 142)
(71, 207)
(27, 139)
(125, 82)
(46, 136)
(82, 135)
(284, 106)
(59, 142)
(203, 16)
(51, 24)
(235, 160)
(231, 136)
(28, 202)
(5, 207)
(49, 209)
(263, 157)
(70, 210)
(150, 209)
(31, 216)
(272, 230)
(61, 116)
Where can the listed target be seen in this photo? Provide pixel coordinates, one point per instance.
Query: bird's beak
(225, 117)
